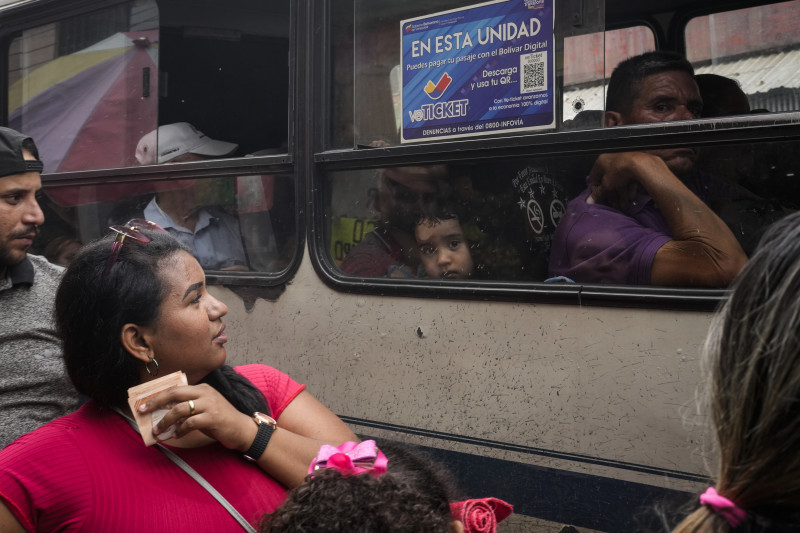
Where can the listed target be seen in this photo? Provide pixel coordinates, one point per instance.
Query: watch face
(261, 418)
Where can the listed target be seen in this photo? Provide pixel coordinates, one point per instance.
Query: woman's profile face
(188, 334)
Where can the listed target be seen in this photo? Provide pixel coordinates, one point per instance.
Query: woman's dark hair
(412, 496)
(92, 306)
(752, 360)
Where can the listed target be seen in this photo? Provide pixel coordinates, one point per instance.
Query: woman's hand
(303, 426)
(203, 408)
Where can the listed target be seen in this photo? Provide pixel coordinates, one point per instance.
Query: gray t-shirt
(34, 387)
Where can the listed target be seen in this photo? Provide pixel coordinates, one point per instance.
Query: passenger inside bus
(721, 96)
(390, 249)
(645, 217)
(185, 207)
(444, 250)
(746, 216)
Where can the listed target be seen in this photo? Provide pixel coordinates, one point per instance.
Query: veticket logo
(408, 28)
(436, 91)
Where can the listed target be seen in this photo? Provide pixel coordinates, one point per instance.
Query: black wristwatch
(266, 425)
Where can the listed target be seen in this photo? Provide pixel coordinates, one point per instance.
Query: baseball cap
(11, 158)
(172, 140)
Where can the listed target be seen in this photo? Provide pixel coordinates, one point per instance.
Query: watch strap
(260, 442)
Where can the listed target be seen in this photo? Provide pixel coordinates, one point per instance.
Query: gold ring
(191, 407)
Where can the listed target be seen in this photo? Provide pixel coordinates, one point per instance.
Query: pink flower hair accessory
(724, 507)
(351, 458)
(481, 515)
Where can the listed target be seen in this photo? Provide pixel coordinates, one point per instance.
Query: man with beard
(645, 219)
(34, 388)
(390, 250)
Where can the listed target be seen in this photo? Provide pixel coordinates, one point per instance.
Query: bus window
(506, 212)
(384, 223)
(227, 70)
(757, 47)
(589, 60)
(375, 93)
(244, 223)
(86, 88)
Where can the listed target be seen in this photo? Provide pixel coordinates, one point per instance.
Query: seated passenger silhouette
(748, 216)
(390, 250)
(722, 96)
(645, 218)
(212, 234)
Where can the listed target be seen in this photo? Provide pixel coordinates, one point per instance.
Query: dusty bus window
(459, 222)
(758, 48)
(368, 77)
(244, 223)
(527, 219)
(589, 60)
(227, 70)
(86, 88)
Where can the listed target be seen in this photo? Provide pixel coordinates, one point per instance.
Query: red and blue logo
(436, 91)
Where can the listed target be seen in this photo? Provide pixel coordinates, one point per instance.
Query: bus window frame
(698, 132)
(308, 162)
(25, 16)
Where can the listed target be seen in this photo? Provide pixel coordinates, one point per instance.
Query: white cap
(178, 139)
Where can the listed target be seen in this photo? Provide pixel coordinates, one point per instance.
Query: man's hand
(615, 179)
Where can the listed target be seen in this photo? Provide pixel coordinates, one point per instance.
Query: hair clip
(351, 459)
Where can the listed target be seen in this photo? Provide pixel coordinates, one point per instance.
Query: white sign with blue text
(485, 69)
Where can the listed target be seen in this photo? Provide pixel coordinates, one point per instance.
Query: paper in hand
(141, 393)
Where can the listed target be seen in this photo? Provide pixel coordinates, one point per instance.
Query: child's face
(443, 250)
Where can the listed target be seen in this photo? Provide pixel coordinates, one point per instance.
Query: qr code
(534, 72)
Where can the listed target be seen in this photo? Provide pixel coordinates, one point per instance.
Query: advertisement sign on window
(485, 69)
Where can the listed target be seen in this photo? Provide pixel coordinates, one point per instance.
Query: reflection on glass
(510, 221)
(478, 221)
(756, 47)
(87, 88)
(248, 222)
(589, 60)
(366, 72)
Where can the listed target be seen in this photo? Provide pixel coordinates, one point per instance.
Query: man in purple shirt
(644, 218)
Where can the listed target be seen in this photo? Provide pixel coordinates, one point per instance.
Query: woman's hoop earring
(155, 372)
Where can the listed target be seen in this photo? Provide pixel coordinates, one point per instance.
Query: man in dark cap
(34, 388)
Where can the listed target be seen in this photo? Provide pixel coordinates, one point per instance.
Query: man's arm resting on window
(703, 252)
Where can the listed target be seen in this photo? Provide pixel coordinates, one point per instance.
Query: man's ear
(613, 119)
(135, 339)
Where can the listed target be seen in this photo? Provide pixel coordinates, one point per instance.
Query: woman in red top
(130, 309)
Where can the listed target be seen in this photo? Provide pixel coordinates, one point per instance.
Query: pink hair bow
(351, 459)
(481, 515)
(724, 507)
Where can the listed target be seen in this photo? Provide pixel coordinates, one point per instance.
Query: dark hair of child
(412, 496)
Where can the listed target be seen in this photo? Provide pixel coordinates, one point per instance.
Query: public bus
(575, 402)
